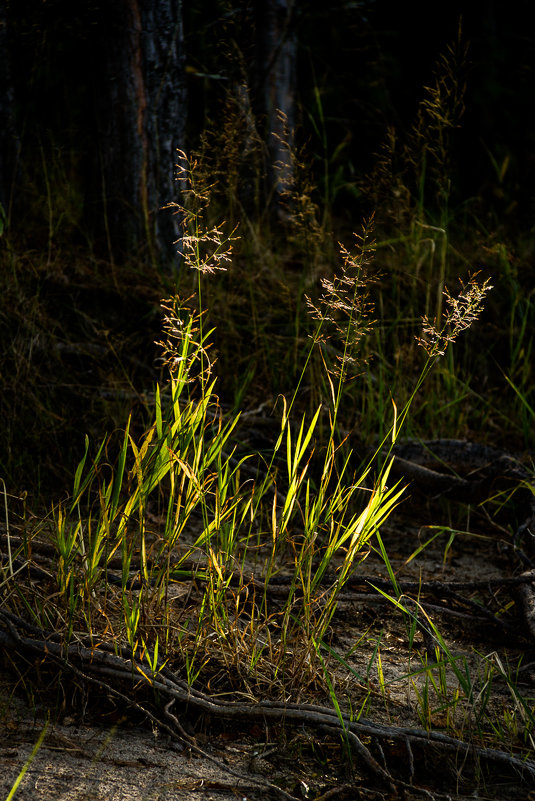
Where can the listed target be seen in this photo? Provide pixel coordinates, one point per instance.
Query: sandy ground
(81, 762)
(78, 762)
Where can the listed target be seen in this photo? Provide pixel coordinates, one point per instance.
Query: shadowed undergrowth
(248, 475)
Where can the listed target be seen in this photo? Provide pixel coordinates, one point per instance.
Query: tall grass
(178, 505)
(170, 544)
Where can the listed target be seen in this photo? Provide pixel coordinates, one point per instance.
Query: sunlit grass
(174, 532)
(177, 504)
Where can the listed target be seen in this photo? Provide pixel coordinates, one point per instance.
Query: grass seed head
(462, 312)
(344, 308)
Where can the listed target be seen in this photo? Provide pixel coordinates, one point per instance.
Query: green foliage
(214, 525)
(181, 493)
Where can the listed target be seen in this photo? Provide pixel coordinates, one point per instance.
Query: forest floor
(462, 728)
(86, 754)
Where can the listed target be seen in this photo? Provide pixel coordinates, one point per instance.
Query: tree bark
(141, 123)
(276, 68)
(9, 143)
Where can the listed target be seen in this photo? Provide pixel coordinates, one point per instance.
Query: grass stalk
(27, 764)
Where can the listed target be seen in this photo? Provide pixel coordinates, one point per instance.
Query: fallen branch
(99, 665)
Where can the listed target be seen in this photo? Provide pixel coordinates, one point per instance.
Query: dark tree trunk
(141, 112)
(276, 68)
(9, 144)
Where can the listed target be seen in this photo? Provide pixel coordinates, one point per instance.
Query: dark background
(86, 167)
(369, 61)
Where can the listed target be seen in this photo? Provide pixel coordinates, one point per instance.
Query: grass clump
(180, 505)
(191, 540)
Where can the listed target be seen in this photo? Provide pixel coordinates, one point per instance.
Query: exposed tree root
(98, 664)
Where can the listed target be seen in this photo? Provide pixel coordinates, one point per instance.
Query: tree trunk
(141, 123)
(276, 67)
(9, 144)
